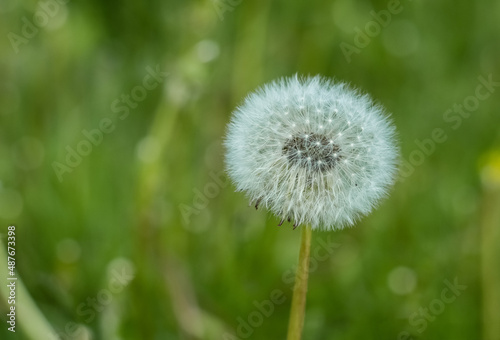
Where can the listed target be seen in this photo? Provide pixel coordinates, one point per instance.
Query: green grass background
(193, 279)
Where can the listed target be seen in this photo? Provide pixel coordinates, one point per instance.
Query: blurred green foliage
(196, 273)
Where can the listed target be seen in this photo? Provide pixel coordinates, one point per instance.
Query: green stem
(297, 312)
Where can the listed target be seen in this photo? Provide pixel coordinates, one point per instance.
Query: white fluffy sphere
(312, 151)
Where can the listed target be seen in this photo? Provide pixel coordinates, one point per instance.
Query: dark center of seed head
(312, 151)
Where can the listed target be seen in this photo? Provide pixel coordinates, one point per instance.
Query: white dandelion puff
(312, 151)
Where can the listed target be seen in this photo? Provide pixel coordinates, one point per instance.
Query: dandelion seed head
(326, 170)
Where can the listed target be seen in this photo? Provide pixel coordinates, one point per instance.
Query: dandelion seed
(302, 170)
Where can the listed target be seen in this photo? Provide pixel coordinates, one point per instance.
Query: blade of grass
(28, 317)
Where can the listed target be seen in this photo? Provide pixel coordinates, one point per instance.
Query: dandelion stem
(297, 312)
